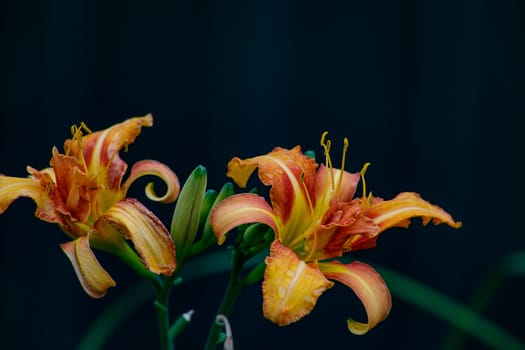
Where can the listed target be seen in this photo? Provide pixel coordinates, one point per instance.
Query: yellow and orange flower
(82, 191)
(316, 218)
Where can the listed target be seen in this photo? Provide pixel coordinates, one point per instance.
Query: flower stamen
(77, 135)
(367, 200)
(312, 220)
(306, 192)
(343, 159)
(328, 161)
(48, 188)
(105, 168)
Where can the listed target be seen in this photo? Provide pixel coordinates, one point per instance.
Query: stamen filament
(298, 239)
(366, 199)
(345, 149)
(77, 135)
(312, 249)
(307, 194)
(326, 146)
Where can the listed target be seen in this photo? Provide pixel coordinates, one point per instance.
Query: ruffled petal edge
(291, 287)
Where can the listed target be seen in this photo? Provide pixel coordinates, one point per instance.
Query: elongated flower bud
(186, 217)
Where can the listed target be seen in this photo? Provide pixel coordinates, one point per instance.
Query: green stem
(235, 285)
(162, 308)
(180, 324)
(161, 305)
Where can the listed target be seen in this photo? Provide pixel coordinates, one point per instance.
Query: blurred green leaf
(511, 265)
(449, 311)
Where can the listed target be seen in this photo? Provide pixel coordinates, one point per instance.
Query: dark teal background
(430, 92)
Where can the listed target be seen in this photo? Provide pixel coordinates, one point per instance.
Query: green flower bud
(186, 217)
(254, 234)
(310, 154)
(208, 237)
(207, 204)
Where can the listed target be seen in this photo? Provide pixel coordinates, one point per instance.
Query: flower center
(309, 240)
(95, 173)
(77, 133)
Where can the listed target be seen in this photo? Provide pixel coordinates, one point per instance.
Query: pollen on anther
(323, 136)
(362, 173)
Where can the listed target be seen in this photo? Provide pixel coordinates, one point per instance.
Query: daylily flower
(316, 219)
(83, 193)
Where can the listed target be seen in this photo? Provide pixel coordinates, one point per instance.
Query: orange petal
(152, 167)
(327, 178)
(150, 237)
(290, 174)
(240, 209)
(240, 170)
(73, 187)
(290, 287)
(12, 188)
(369, 287)
(100, 149)
(406, 205)
(345, 229)
(94, 279)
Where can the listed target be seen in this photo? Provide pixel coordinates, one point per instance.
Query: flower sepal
(129, 219)
(369, 287)
(117, 246)
(93, 278)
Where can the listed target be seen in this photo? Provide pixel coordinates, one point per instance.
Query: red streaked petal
(152, 167)
(150, 237)
(325, 178)
(290, 174)
(406, 205)
(345, 229)
(369, 287)
(73, 188)
(100, 149)
(240, 209)
(94, 279)
(290, 287)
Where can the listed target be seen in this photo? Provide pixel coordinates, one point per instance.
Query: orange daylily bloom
(316, 218)
(82, 191)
